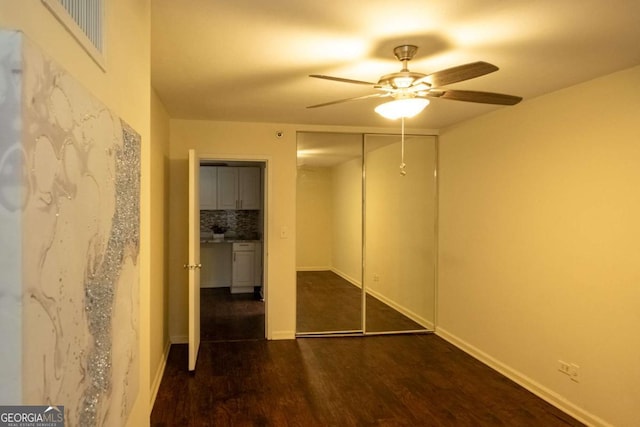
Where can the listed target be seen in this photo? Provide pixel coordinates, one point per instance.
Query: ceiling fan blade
(340, 79)
(458, 74)
(374, 95)
(474, 96)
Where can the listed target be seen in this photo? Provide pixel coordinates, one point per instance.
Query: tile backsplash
(236, 223)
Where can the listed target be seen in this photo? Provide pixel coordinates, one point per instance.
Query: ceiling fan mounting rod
(405, 53)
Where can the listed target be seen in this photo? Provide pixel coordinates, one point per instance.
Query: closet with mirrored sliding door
(365, 233)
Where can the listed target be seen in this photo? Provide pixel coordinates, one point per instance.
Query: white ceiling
(249, 60)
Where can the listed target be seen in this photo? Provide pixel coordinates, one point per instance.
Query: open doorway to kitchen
(232, 237)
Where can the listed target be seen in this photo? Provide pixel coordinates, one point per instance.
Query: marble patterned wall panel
(79, 225)
(10, 215)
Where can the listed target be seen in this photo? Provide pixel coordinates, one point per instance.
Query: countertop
(229, 240)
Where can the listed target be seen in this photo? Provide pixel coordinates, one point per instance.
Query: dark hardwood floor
(228, 317)
(391, 380)
(327, 302)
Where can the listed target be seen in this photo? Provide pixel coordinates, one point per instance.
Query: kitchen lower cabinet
(235, 265)
(243, 268)
(257, 265)
(245, 274)
(216, 265)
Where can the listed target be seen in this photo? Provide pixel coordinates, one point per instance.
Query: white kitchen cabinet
(227, 188)
(208, 187)
(244, 268)
(238, 188)
(257, 267)
(249, 188)
(238, 265)
(216, 265)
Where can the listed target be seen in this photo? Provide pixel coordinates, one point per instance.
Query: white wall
(238, 140)
(400, 230)
(314, 229)
(250, 141)
(346, 193)
(158, 243)
(540, 244)
(125, 89)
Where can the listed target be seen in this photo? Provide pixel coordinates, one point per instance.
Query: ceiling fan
(406, 84)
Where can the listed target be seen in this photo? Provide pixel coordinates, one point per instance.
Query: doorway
(232, 236)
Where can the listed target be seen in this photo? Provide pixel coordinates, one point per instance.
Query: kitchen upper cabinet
(208, 187)
(249, 188)
(238, 188)
(227, 188)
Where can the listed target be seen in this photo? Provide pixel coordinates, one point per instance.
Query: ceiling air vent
(84, 20)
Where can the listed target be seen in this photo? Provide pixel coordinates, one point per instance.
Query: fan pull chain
(402, 164)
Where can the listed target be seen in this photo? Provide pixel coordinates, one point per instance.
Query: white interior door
(194, 258)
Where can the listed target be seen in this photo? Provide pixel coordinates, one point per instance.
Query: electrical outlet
(564, 367)
(570, 369)
(573, 372)
(376, 277)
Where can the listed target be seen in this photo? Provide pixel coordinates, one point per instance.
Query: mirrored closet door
(400, 243)
(329, 233)
(365, 248)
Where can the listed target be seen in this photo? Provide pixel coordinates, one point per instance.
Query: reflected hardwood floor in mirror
(390, 380)
(327, 302)
(229, 317)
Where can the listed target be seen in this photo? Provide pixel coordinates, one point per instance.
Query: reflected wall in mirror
(395, 291)
(400, 243)
(329, 233)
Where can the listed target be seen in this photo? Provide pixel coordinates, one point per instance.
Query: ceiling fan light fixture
(403, 82)
(406, 107)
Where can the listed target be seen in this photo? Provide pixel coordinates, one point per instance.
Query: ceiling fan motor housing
(404, 78)
(405, 52)
(400, 80)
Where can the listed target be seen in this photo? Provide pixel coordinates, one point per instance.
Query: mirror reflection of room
(380, 244)
(400, 233)
(329, 233)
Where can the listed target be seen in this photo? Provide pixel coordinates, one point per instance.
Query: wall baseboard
(157, 380)
(179, 339)
(282, 335)
(348, 278)
(323, 268)
(214, 285)
(276, 335)
(534, 387)
(410, 314)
